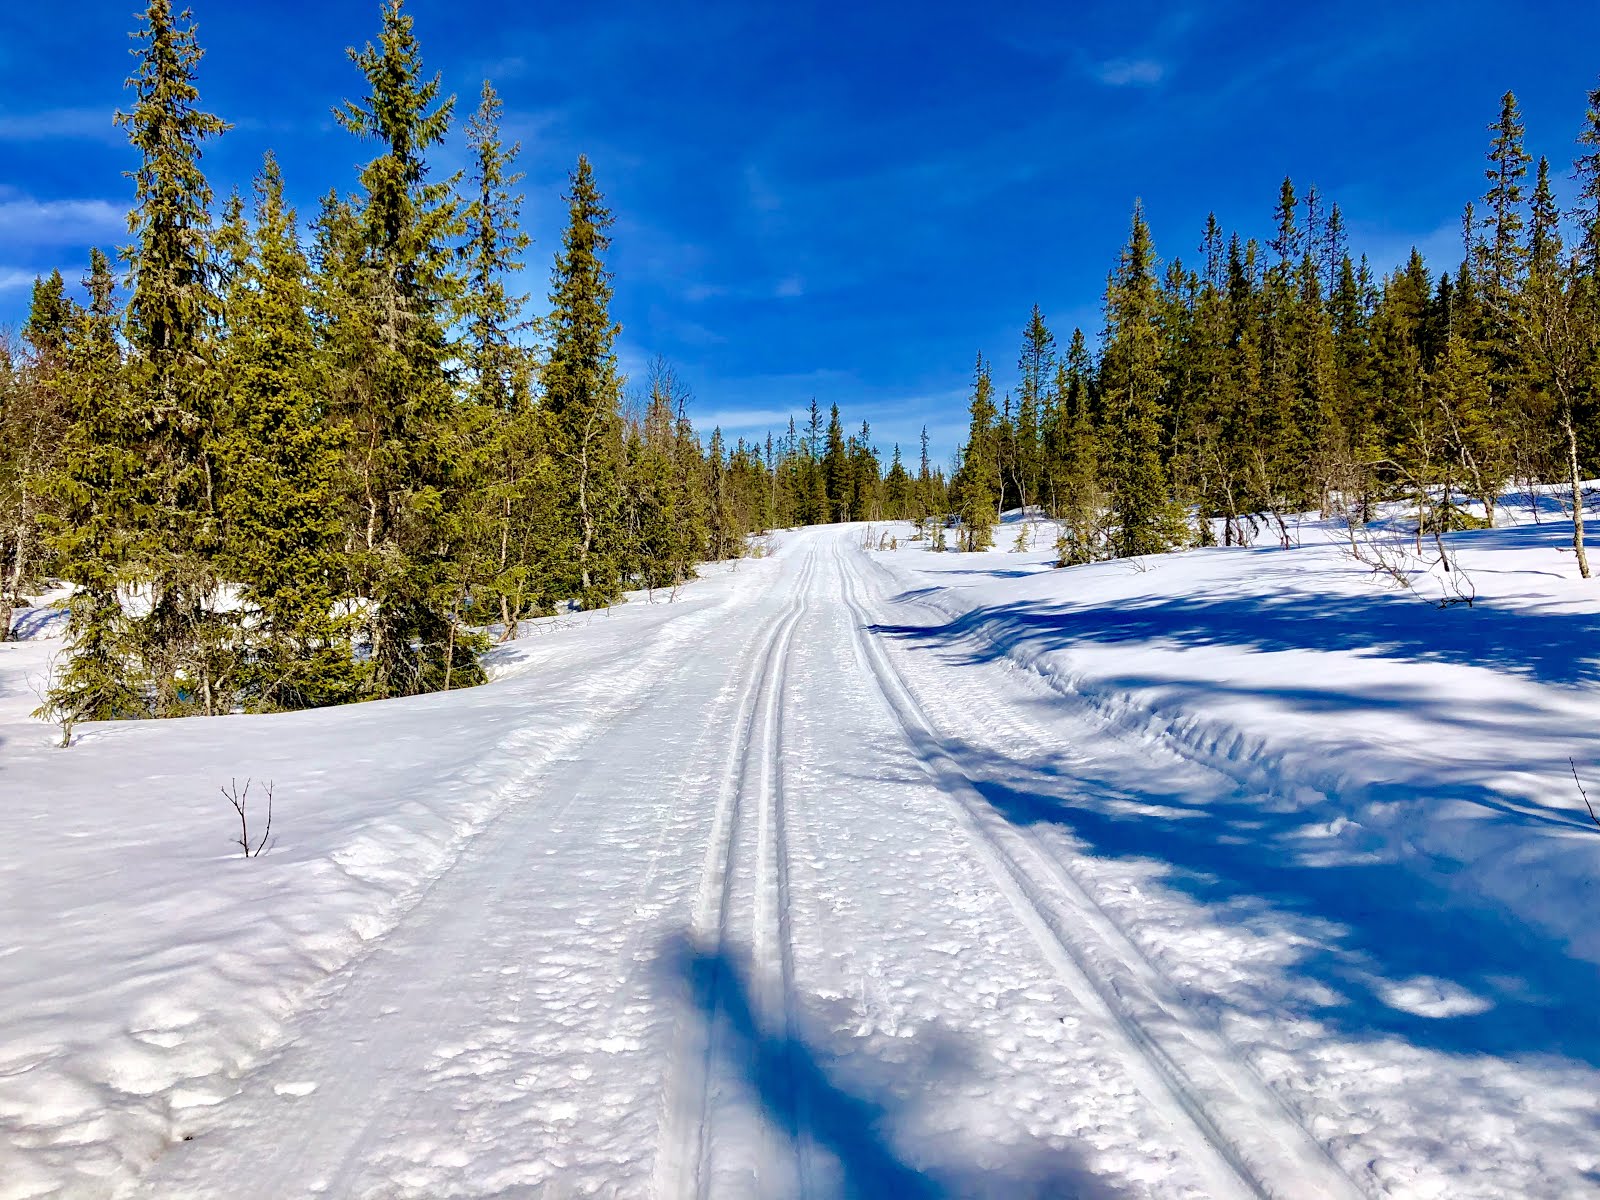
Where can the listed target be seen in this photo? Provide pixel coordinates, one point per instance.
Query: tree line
(281, 475)
(1268, 380)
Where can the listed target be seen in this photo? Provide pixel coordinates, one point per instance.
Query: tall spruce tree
(171, 328)
(581, 398)
(1081, 497)
(32, 424)
(504, 429)
(1132, 385)
(389, 288)
(280, 465)
(977, 483)
(95, 490)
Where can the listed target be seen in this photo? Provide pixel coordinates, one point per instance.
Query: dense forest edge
(282, 473)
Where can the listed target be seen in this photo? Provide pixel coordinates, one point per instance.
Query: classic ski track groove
(1060, 871)
(1171, 1042)
(683, 1172)
(665, 655)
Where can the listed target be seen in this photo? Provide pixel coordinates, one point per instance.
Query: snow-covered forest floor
(854, 871)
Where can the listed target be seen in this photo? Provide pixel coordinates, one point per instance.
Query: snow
(846, 871)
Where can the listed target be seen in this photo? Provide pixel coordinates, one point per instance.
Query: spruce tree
(504, 430)
(1037, 365)
(389, 290)
(31, 430)
(836, 471)
(280, 467)
(977, 483)
(581, 397)
(1081, 497)
(171, 326)
(1132, 382)
(897, 488)
(95, 490)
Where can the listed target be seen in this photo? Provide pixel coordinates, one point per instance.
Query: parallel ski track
(664, 659)
(1247, 1141)
(684, 1160)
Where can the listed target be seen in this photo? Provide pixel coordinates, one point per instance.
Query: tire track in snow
(684, 1161)
(1240, 1132)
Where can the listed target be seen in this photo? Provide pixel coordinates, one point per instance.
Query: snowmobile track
(1243, 1136)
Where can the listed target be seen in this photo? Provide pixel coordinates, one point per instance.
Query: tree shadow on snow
(1396, 953)
(804, 1094)
(1372, 949)
(1555, 647)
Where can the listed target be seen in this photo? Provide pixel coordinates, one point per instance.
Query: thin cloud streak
(13, 278)
(24, 220)
(58, 124)
(1130, 72)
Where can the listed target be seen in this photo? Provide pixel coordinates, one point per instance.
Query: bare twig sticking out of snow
(240, 800)
(1583, 793)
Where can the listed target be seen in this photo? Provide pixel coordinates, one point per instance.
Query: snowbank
(1394, 727)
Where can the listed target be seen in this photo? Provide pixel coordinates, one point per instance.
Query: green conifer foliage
(171, 325)
(581, 400)
(897, 490)
(836, 471)
(1132, 385)
(503, 434)
(1081, 498)
(32, 424)
(280, 466)
(977, 483)
(95, 488)
(389, 290)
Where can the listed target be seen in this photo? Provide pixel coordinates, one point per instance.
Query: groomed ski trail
(1251, 1142)
(686, 1160)
(763, 937)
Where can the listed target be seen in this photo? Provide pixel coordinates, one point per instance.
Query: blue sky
(843, 200)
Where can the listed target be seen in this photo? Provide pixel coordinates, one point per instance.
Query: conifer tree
(1132, 384)
(389, 290)
(977, 483)
(95, 489)
(171, 325)
(1081, 497)
(32, 424)
(662, 525)
(897, 489)
(836, 470)
(581, 398)
(1037, 365)
(280, 467)
(505, 428)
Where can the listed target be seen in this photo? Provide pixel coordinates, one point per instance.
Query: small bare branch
(240, 800)
(1581, 792)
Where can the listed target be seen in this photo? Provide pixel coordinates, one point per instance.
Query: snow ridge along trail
(506, 1035)
(1251, 1143)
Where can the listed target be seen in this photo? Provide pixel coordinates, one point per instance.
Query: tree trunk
(1577, 493)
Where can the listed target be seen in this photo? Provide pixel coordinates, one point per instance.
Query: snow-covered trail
(752, 948)
(821, 910)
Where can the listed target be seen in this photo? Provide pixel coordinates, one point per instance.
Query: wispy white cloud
(57, 124)
(1130, 72)
(1390, 249)
(697, 293)
(14, 278)
(789, 287)
(741, 418)
(28, 221)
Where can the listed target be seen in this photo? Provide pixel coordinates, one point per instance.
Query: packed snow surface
(846, 871)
